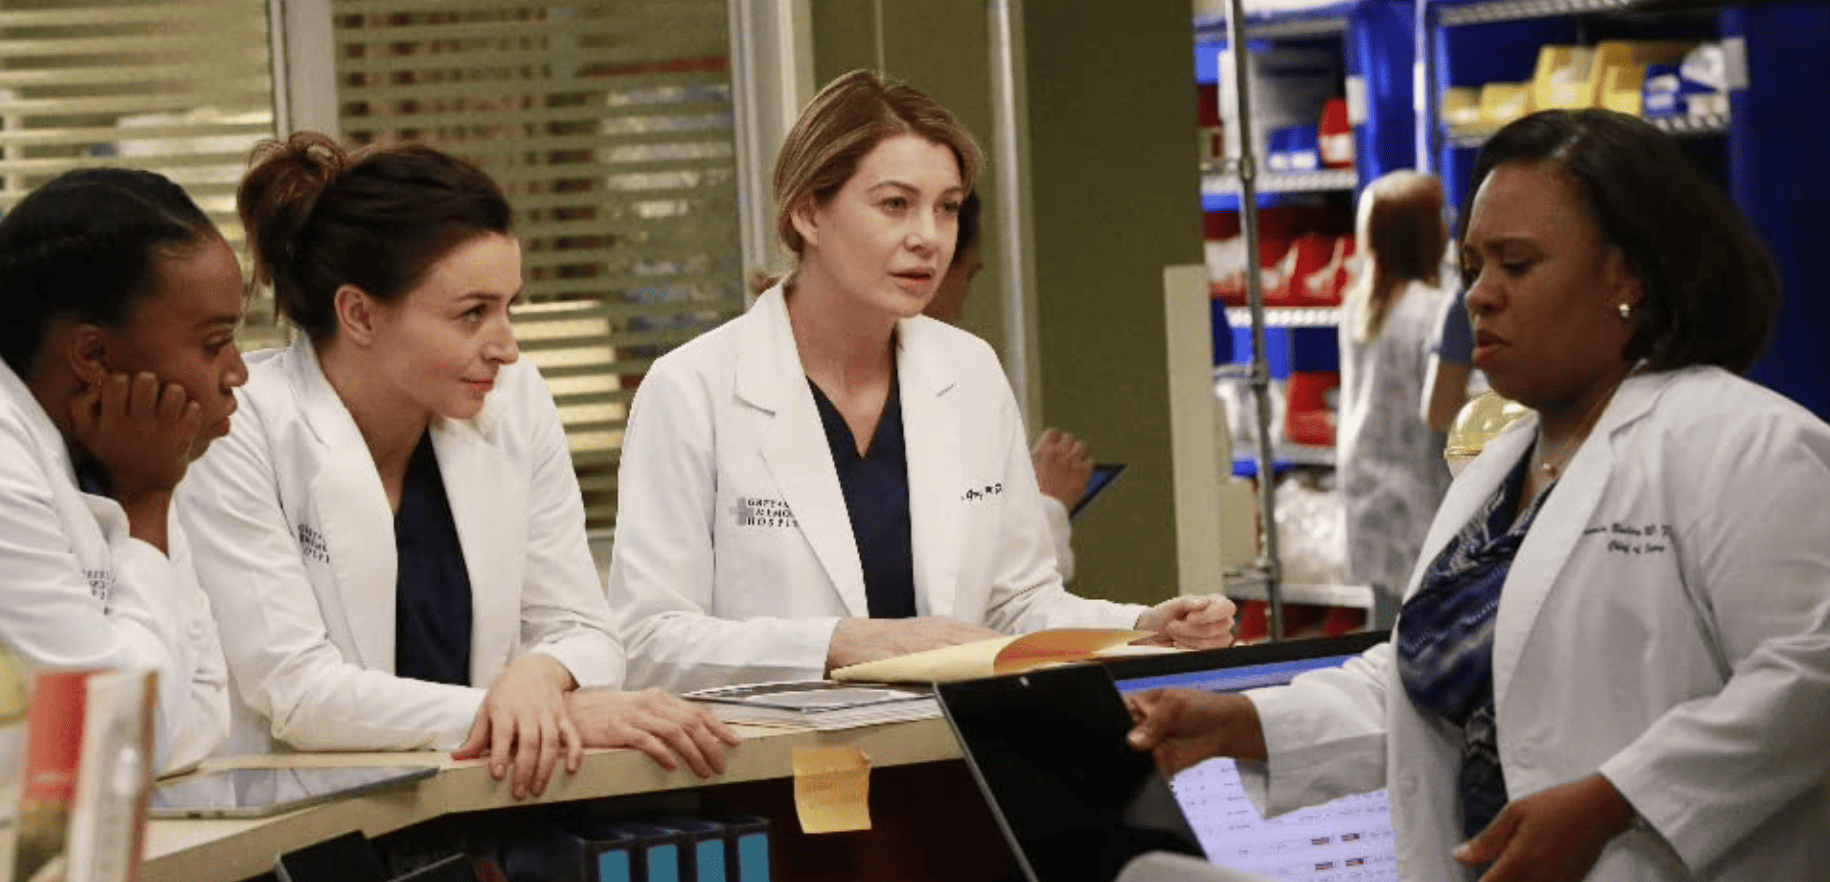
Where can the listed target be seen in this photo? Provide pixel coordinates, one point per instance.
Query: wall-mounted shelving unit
(1774, 54)
(1373, 39)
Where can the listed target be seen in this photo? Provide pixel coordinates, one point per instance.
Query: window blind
(180, 87)
(610, 127)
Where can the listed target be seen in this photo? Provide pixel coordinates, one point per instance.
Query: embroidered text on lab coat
(312, 544)
(101, 587)
(1625, 538)
(752, 511)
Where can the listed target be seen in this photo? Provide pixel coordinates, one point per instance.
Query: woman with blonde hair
(833, 477)
(1388, 461)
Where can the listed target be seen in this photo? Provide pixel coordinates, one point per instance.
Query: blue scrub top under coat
(876, 490)
(432, 613)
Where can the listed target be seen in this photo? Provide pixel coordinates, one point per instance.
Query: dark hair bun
(276, 200)
(321, 217)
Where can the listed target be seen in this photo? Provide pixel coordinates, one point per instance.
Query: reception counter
(929, 821)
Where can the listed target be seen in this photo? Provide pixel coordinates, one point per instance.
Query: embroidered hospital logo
(751, 511)
(101, 587)
(312, 545)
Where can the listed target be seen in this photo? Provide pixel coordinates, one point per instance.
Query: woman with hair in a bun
(119, 360)
(393, 535)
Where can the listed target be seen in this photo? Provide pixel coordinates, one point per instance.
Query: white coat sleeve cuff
(593, 663)
(680, 652)
(1302, 770)
(1640, 785)
(1061, 532)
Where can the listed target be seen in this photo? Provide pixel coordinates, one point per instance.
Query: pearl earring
(1626, 312)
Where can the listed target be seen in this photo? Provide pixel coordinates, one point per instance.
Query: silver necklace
(1553, 468)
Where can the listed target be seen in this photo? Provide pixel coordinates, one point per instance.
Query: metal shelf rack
(1692, 126)
(1322, 181)
(1287, 316)
(1515, 10)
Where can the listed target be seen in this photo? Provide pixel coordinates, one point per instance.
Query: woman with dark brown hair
(1615, 661)
(393, 537)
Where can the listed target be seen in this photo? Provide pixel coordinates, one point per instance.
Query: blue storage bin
(1222, 331)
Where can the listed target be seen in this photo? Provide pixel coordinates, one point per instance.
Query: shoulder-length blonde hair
(843, 123)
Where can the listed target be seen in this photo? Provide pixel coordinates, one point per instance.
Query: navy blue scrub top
(432, 612)
(876, 489)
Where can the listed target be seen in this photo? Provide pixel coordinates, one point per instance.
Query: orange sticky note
(832, 788)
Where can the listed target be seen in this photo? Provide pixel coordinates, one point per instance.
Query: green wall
(1114, 193)
(1115, 197)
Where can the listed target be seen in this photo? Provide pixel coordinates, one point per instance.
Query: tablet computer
(1348, 838)
(1048, 751)
(257, 793)
(1104, 473)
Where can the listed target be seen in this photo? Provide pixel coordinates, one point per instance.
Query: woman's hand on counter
(856, 641)
(1182, 727)
(524, 722)
(1203, 621)
(665, 727)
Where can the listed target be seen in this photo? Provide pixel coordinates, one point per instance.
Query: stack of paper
(849, 702)
(817, 704)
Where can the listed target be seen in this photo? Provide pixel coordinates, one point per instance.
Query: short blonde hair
(843, 123)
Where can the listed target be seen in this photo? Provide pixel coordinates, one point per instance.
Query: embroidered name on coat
(752, 511)
(101, 587)
(312, 544)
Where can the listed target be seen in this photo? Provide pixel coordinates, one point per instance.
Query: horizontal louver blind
(609, 124)
(180, 87)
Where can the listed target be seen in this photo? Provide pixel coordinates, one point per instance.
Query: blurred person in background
(1388, 461)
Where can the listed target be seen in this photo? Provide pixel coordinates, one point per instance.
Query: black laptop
(1076, 802)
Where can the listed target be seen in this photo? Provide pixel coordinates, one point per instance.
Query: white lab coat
(80, 592)
(295, 545)
(734, 558)
(1666, 622)
(1060, 534)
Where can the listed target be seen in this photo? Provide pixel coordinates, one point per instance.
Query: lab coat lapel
(932, 440)
(351, 510)
(794, 446)
(1554, 534)
(75, 508)
(1471, 490)
(489, 508)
